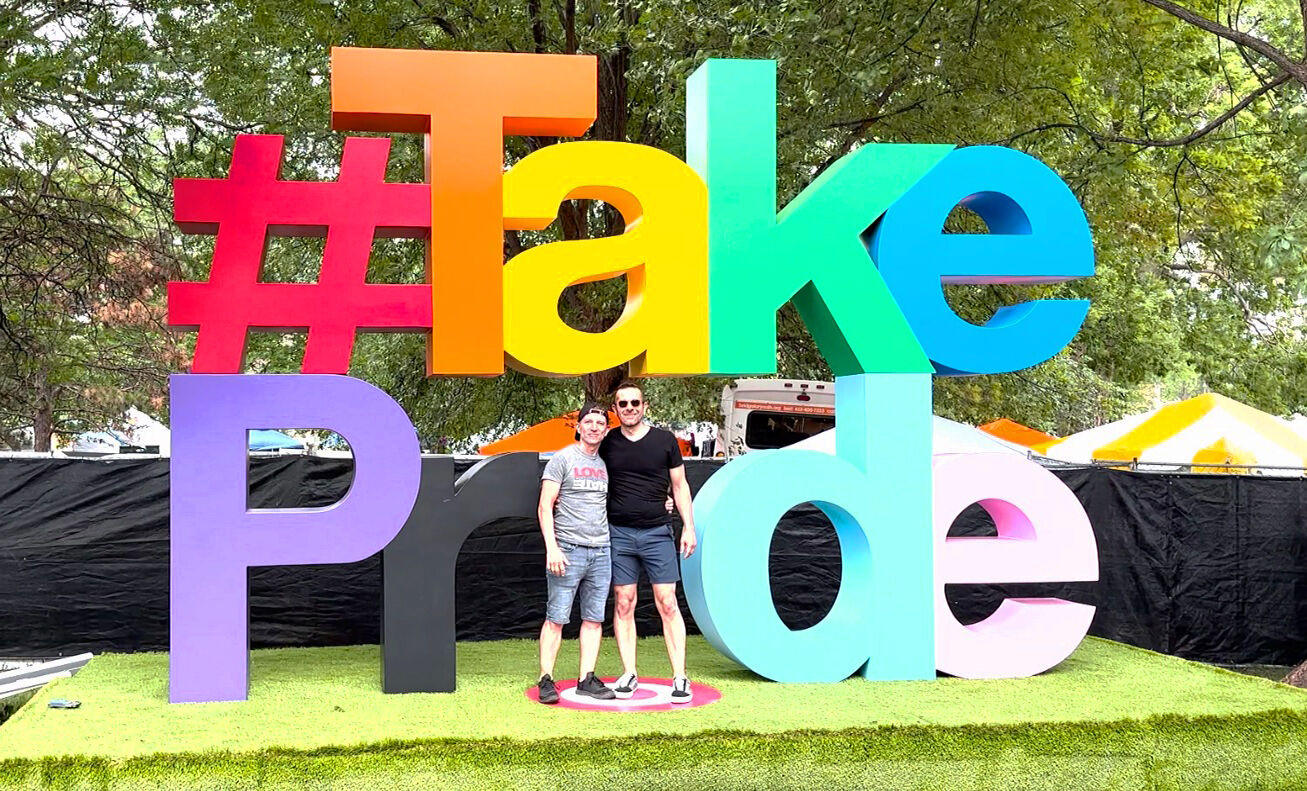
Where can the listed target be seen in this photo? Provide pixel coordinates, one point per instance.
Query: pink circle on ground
(654, 694)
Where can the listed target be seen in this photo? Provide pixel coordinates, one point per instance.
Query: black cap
(587, 408)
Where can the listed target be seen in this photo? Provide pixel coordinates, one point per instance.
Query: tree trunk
(611, 123)
(42, 426)
(43, 414)
(599, 386)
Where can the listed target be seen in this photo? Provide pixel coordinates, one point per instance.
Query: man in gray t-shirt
(573, 515)
(581, 510)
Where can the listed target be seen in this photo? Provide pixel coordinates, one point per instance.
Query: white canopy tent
(949, 436)
(1299, 424)
(1208, 433)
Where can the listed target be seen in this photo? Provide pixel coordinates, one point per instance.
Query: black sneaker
(681, 690)
(594, 688)
(626, 686)
(548, 692)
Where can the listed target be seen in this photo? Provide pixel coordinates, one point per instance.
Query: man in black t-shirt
(644, 463)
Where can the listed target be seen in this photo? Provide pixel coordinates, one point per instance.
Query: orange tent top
(1013, 431)
(551, 435)
(547, 437)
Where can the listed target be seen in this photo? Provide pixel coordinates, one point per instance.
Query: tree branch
(1296, 69)
(537, 24)
(1302, 8)
(1197, 134)
(860, 127)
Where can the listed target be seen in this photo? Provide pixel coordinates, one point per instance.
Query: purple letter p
(216, 538)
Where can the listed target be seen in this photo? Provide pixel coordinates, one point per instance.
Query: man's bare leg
(673, 625)
(591, 634)
(624, 625)
(551, 636)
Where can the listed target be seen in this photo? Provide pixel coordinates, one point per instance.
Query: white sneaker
(625, 686)
(681, 692)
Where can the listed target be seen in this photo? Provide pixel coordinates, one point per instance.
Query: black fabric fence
(1206, 567)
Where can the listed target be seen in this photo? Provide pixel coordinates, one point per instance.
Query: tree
(1199, 266)
(1250, 45)
(82, 254)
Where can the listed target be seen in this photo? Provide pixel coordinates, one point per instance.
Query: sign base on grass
(654, 694)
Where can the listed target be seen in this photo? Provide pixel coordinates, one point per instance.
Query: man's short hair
(628, 384)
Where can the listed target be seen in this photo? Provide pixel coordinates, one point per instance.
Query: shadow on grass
(10, 705)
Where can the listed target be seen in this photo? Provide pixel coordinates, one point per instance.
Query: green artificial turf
(1109, 717)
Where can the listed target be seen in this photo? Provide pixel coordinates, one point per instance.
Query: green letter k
(812, 252)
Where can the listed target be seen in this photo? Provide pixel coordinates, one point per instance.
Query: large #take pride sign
(708, 261)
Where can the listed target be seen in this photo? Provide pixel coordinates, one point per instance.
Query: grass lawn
(1111, 716)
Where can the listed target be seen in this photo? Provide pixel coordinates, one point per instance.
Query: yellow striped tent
(1200, 433)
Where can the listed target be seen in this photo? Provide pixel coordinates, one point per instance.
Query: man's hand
(555, 561)
(668, 505)
(688, 542)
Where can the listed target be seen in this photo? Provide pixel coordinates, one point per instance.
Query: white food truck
(760, 414)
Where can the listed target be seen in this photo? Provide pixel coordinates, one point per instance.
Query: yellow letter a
(663, 329)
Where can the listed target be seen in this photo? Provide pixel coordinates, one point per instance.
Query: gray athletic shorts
(649, 548)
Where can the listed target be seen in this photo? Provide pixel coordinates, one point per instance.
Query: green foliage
(316, 718)
(1199, 246)
(83, 260)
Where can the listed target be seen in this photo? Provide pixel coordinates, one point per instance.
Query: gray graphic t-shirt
(581, 512)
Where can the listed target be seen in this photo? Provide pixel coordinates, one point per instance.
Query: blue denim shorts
(588, 572)
(650, 548)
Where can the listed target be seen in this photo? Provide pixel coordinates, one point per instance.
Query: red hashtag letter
(252, 203)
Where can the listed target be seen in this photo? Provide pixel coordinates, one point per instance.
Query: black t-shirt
(638, 478)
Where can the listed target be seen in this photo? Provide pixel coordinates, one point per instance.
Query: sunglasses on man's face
(632, 402)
